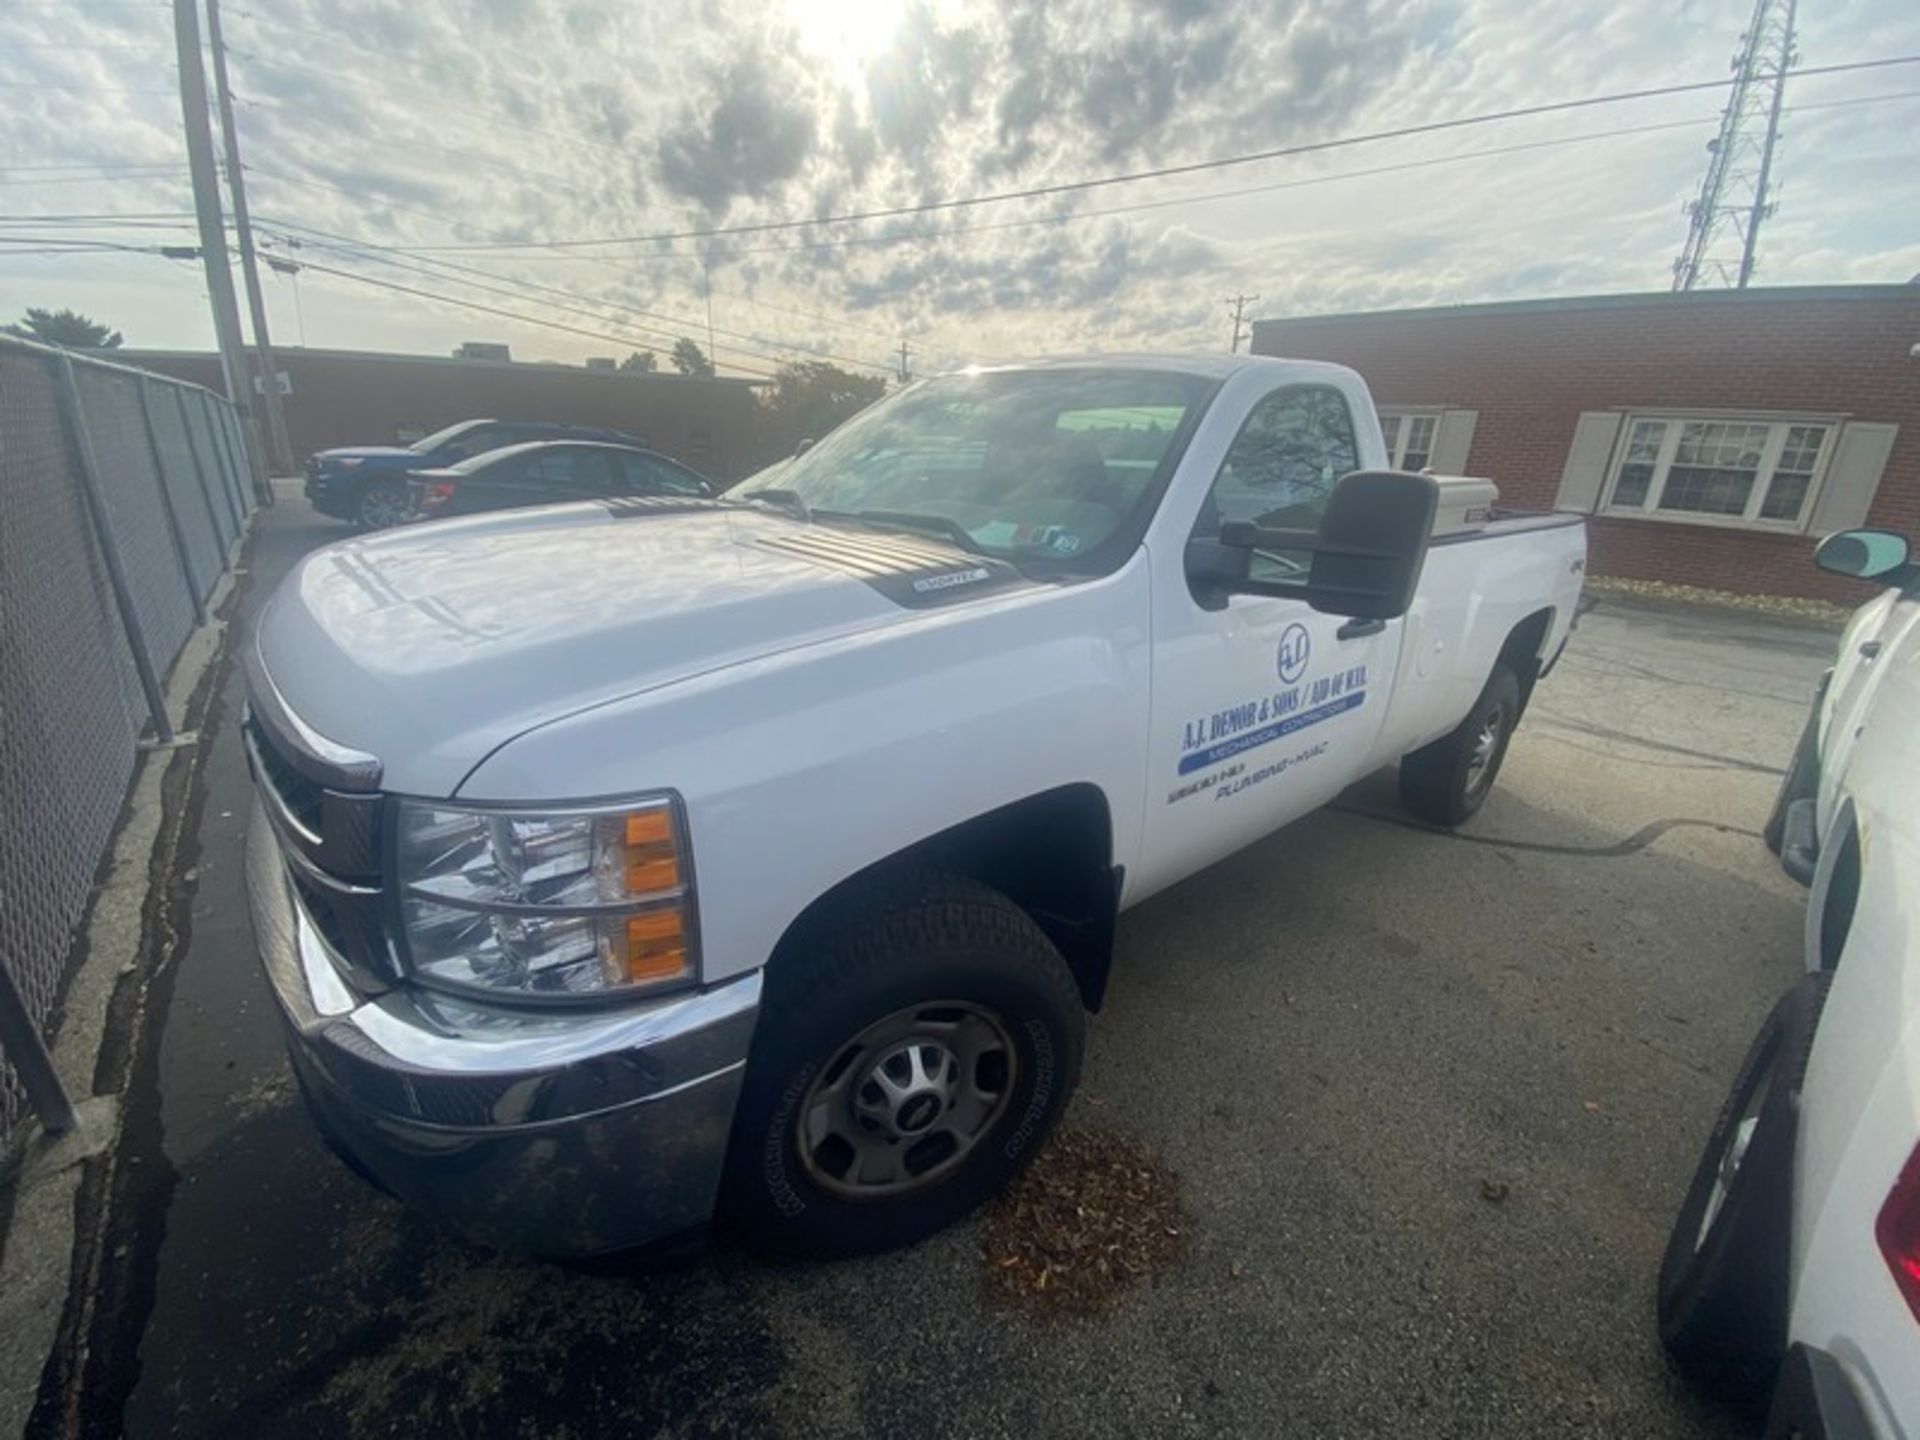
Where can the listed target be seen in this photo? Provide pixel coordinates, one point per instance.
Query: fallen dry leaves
(1094, 1213)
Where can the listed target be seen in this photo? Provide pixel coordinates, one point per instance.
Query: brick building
(1714, 436)
(355, 397)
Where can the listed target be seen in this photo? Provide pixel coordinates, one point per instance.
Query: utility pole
(249, 266)
(213, 235)
(706, 283)
(905, 373)
(1239, 304)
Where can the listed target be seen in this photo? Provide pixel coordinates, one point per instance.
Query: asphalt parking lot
(1344, 1040)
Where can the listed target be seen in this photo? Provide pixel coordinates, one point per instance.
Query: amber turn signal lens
(656, 945)
(653, 861)
(649, 827)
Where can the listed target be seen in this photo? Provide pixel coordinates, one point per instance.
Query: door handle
(1870, 649)
(1354, 629)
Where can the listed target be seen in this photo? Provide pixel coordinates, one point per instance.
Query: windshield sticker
(1227, 733)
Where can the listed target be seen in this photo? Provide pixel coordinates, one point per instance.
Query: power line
(363, 249)
(618, 267)
(87, 45)
(91, 179)
(80, 89)
(106, 165)
(464, 79)
(67, 245)
(540, 179)
(496, 120)
(489, 309)
(105, 219)
(1065, 187)
(1202, 197)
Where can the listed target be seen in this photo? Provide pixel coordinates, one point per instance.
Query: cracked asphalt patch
(1338, 1039)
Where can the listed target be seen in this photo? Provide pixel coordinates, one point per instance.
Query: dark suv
(371, 485)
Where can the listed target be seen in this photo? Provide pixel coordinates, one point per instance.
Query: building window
(1409, 436)
(1719, 471)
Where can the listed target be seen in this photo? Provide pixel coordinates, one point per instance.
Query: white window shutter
(1586, 469)
(1853, 475)
(1452, 439)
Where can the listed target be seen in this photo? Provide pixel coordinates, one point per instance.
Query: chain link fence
(122, 495)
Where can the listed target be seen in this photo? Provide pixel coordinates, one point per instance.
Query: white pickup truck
(618, 861)
(1791, 1280)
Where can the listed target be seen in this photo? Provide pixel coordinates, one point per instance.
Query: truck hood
(429, 647)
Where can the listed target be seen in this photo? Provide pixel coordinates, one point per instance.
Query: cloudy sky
(418, 144)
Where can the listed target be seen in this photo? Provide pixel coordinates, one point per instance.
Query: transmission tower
(1736, 194)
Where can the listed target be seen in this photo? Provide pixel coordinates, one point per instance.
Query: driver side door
(1262, 707)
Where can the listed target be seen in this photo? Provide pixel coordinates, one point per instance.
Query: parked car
(611, 861)
(371, 485)
(1793, 1273)
(548, 471)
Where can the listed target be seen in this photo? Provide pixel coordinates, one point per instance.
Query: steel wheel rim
(1727, 1169)
(898, 1108)
(1486, 745)
(383, 507)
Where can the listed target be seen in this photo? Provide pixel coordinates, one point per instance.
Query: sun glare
(845, 33)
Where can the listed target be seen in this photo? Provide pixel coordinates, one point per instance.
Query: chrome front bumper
(550, 1133)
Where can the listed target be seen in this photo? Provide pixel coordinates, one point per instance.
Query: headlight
(351, 462)
(547, 903)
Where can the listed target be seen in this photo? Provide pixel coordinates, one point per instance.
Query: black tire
(1441, 783)
(1722, 1297)
(911, 941)
(383, 504)
(1800, 781)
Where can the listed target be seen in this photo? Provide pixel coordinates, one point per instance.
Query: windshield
(440, 437)
(1035, 464)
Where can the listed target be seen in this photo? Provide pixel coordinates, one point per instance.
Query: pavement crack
(1633, 844)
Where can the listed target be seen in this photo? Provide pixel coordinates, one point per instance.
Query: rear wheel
(1448, 781)
(912, 1055)
(383, 505)
(1723, 1286)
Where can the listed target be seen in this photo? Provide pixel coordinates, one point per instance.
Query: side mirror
(1864, 554)
(1372, 544)
(802, 447)
(1366, 556)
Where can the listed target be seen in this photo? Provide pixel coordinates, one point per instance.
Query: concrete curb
(40, 1245)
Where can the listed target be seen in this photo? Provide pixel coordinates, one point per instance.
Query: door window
(1280, 470)
(571, 472)
(651, 475)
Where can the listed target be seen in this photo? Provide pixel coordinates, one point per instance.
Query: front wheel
(911, 1057)
(1446, 782)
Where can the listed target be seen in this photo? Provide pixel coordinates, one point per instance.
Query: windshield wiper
(781, 498)
(938, 526)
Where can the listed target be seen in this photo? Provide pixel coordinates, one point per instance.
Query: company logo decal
(1296, 645)
(1210, 740)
